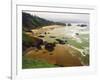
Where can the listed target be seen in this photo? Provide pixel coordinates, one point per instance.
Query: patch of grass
(33, 63)
(27, 41)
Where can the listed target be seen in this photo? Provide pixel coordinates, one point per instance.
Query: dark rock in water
(52, 36)
(45, 42)
(45, 33)
(83, 25)
(54, 44)
(78, 25)
(77, 33)
(60, 41)
(69, 24)
(65, 40)
(38, 43)
(49, 46)
(41, 36)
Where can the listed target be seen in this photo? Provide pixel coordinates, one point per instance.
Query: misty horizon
(62, 17)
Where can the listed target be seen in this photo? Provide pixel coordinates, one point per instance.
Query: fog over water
(62, 17)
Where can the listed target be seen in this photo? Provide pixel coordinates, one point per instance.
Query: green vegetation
(33, 63)
(48, 40)
(27, 41)
(32, 22)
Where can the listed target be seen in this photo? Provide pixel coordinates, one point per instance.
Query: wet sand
(62, 55)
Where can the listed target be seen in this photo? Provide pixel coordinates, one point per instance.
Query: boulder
(38, 43)
(60, 41)
(49, 46)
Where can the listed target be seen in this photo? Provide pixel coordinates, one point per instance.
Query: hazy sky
(62, 17)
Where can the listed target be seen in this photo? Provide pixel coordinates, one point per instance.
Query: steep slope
(31, 22)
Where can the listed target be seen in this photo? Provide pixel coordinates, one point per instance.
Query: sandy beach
(62, 55)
